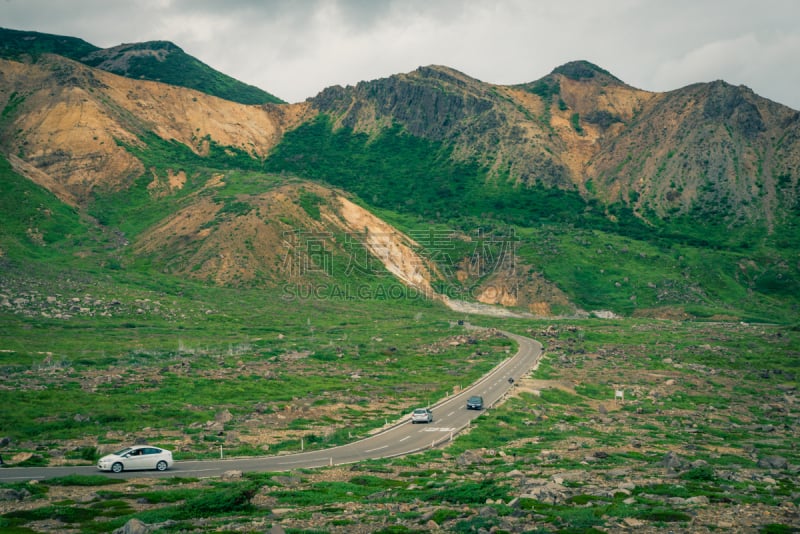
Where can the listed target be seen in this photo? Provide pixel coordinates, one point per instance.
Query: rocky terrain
(582, 128)
(70, 122)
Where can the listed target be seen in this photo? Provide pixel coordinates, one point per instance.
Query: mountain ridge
(708, 165)
(590, 116)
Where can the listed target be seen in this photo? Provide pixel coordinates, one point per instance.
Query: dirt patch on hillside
(264, 240)
(69, 120)
(392, 248)
(23, 168)
(249, 246)
(521, 288)
(575, 125)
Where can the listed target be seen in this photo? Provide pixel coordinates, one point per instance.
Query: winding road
(450, 417)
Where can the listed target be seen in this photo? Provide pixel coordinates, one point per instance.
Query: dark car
(475, 403)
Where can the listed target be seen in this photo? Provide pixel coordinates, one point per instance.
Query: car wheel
(161, 466)
(117, 467)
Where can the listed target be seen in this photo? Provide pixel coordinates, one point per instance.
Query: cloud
(763, 63)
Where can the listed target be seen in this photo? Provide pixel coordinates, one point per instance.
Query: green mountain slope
(17, 45)
(705, 155)
(33, 222)
(159, 61)
(599, 261)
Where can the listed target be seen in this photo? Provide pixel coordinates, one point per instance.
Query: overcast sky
(295, 48)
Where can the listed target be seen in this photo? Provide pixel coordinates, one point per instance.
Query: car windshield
(475, 399)
(123, 451)
(420, 411)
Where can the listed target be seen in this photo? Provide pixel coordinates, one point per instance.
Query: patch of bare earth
(72, 118)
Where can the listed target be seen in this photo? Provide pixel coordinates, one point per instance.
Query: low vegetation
(702, 440)
(192, 363)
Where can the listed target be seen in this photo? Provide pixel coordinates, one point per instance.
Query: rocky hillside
(704, 150)
(707, 149)
(193, 182)
(295, 233)
(73, 123)
(713, 150)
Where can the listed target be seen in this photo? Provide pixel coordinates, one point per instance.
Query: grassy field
(704, 439)
(89, 363)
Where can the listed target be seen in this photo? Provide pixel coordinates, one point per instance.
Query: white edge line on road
(293, 462)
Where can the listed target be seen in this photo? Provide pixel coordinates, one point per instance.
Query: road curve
(450, 417)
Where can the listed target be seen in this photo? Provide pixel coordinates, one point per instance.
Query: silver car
(421, 415)
(136, 457)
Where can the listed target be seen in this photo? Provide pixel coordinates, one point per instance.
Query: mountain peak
(122, 58)
(16, 44)
(442, 73)
(583, 70)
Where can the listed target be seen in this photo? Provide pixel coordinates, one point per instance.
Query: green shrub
(36, 490)
(37, 460)
(444, 514)
(169, 496)
(83, 480)
(476, 523)
(704, 472)
(220, 501)
(89, 454)
(469, 493)
(311, 202)
(375, 483)
(779, 528)
(664, 515)
(235, 208)
(65, 514)
(575, 120)
(395, 529)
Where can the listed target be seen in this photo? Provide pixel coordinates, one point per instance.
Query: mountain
(73, 122)
(704, 149)
(573, 192)
(156, 60)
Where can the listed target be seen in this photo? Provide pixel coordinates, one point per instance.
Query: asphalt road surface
(450, 416)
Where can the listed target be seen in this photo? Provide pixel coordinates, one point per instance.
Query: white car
(136, 457)
(421, 415)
